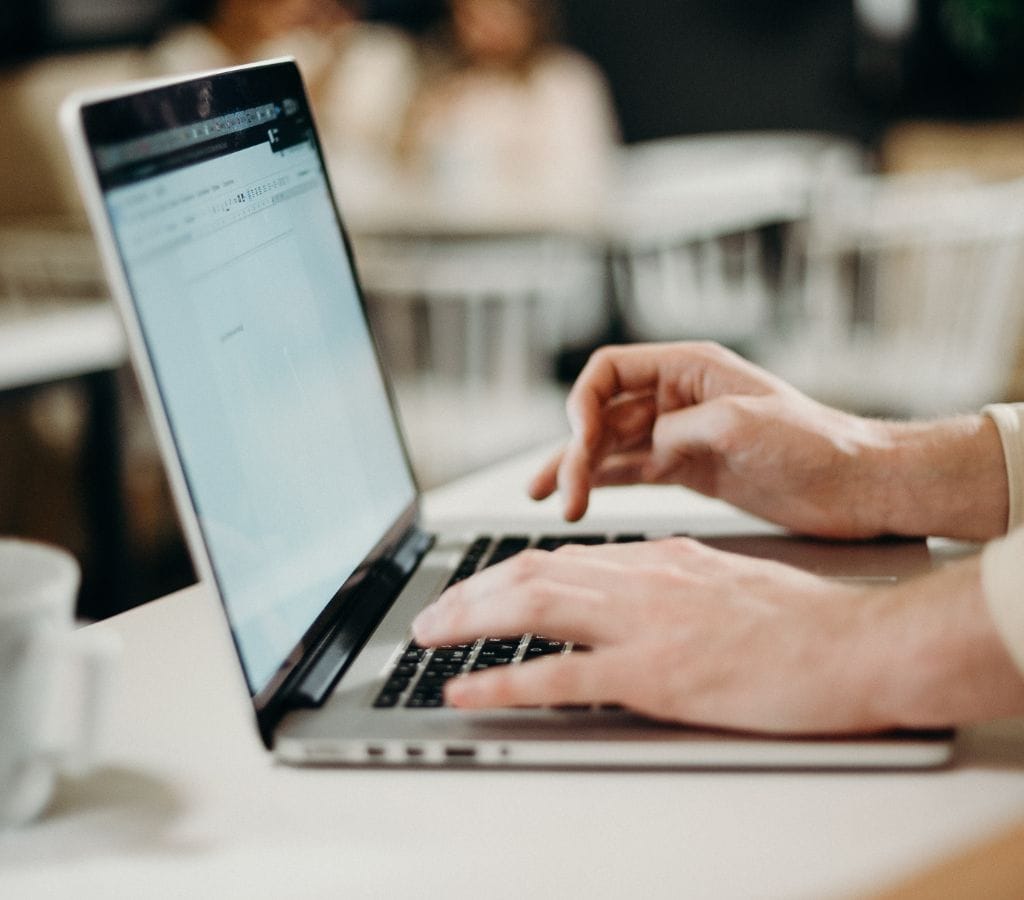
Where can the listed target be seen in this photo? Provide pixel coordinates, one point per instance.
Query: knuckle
(708, 348)
(525, 565)
(501, 688)
(538, 599)
(676, 548)
(559, 680)
(570, 550)
(602, 355)
(664, 580)
(733, 413)
(711, 351)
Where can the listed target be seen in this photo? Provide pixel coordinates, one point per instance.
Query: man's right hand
(698, 415)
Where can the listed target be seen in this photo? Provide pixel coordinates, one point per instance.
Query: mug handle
(80, 697)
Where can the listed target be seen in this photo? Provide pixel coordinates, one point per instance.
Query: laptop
(226, 254)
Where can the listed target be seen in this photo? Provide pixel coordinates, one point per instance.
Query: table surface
(54, 340)
(189, 803)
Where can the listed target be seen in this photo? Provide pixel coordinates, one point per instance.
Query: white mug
(55, 681)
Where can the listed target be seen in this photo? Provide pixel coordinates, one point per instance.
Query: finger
(529, 565)
(581, 594)
(559, 611)
(623, 469)
(545, 482)
(681, 552)
(583, 678)
(513, 597)
(573, 481)
(625, 424)
(609, 372)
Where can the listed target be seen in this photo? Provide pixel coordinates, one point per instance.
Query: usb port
(460, 752)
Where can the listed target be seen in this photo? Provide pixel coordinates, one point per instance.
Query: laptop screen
(254, 327)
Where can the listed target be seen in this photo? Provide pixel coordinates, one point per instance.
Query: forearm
(932, 654)
(942, 478)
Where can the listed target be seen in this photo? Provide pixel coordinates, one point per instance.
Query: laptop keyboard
(417, 679)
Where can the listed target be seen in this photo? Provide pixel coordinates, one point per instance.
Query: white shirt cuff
(1002, 580)
(1009, 419)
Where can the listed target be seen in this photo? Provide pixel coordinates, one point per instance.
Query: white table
(190, 805)
(59, 341)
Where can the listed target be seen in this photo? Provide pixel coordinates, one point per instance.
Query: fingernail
(458, 691)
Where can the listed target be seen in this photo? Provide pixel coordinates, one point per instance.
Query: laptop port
(414, 752)
(375, 751)
(460, 752)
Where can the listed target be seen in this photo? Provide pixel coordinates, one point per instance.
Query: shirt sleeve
(1002, 563)
(1009, 419)
(1002, 579)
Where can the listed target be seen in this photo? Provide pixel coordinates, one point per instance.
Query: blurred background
(834, 188)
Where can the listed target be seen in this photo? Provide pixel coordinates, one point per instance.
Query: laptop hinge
(328, 662)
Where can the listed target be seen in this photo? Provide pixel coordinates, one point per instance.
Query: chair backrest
(469, 327)
(487, 311)
(915, 287)
(44, 263)
(700, 226)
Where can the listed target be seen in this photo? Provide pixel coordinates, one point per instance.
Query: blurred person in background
(505, 120)
(360, 76)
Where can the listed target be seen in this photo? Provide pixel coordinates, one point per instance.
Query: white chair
(700, 225)
(55, 318)
(913, 299)
(44, 261)
(468, 327)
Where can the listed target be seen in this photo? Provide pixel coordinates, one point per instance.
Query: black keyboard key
(386, 701)
(471, 561)
(542, 647)
(440, 673)
(629, 538)
(507, 548)
(396, 684)
(554, 541)
(498, 651)
(449, 654)
(431, 701)
(501, 645)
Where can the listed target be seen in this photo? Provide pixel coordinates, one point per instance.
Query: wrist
(932, 655)
(942, 478)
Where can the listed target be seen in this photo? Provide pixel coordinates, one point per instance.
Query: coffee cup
(55, 679)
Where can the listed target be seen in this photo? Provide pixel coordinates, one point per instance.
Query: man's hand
(685, 633)
(700, 416)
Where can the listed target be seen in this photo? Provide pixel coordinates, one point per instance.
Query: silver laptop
(224, 249)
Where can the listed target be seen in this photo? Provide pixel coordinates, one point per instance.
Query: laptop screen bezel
(140, 110)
